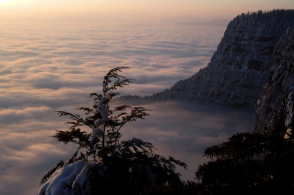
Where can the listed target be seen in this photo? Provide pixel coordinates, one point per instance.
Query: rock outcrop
(276, 102)
(238, 69)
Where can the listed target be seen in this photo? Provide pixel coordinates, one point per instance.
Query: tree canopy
(251, 163)
(130, 166)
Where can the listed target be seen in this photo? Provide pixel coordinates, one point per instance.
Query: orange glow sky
(132, 10)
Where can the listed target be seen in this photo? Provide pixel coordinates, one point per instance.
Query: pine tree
(251, 163)
(130, 166)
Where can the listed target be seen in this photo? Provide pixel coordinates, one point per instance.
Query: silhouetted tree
(130, 166)
(251, 163)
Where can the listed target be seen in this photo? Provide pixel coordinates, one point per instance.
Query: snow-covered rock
(276, 100)
(238, 69)
(70, 179)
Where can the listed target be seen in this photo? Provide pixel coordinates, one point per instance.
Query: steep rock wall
(238, 68)
(277, 97)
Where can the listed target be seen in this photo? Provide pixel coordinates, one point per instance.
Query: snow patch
(104, 112)
(64, 179)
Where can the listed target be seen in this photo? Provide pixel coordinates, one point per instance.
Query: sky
(54, 53)
(135, 11)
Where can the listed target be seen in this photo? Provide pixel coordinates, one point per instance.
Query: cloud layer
(184, 130)
(49, 67)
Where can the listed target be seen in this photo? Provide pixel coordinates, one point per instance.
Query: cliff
(276, 100)
(238, 69)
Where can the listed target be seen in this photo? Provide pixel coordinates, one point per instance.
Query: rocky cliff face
(238, 68)
(276, 102)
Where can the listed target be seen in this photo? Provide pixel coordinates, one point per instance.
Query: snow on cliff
(238, 69)
(276, 101)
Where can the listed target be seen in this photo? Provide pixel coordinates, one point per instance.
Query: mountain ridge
(238, 69)
(276, 101)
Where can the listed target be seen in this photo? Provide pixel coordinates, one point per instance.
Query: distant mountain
(217, 22)
(238, 69)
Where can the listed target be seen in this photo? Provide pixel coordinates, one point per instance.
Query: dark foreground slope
(260, 162)
(277, 97)
(239, 67)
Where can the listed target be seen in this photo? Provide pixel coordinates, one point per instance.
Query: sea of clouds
(52, 66)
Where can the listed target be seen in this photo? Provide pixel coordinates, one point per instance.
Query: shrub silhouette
(117, 167)
(251, 163)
